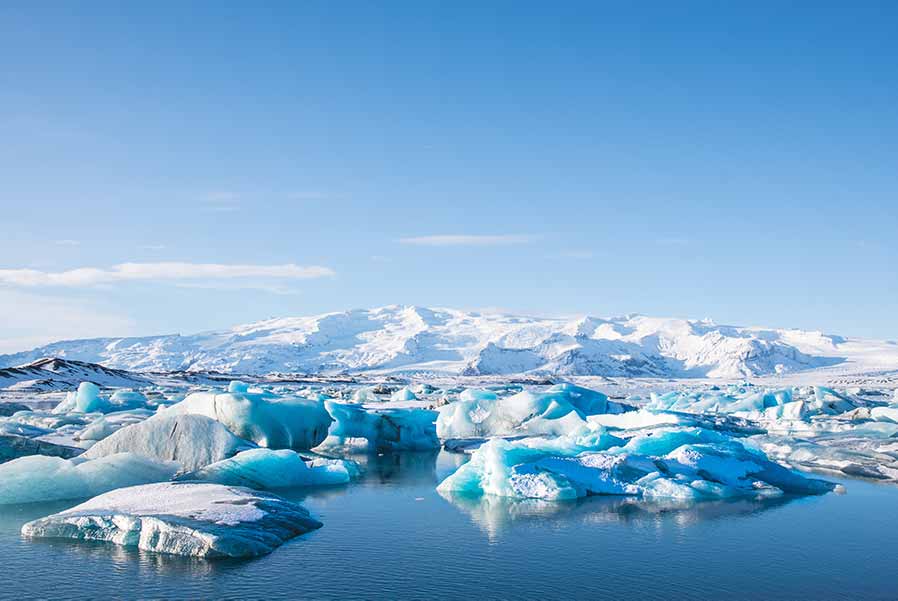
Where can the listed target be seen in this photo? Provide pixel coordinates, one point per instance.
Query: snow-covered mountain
(52, 374)
(445, 341)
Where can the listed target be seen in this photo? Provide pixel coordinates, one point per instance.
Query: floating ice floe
(262, 417)
(194, 441)
(40, 478)
(679, 463)
(183, 518)
(268, 469)
(381, 429)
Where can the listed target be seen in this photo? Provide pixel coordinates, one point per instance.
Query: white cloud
(469, 240)
(136, 272)
(67, 242)
(42, 319)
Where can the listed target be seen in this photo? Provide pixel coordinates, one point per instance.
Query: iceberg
(87, 399)
(381, 429)
(194, 441)
(196, 519)
(533, 413)
(13, 446)
(689, 464)
(267, 419)
(40, 478)
(403, 394)
(268, 469)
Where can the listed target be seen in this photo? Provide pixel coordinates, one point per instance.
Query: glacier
(411, 339)
(196, 519)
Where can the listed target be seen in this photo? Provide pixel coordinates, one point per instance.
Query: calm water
(393, 536)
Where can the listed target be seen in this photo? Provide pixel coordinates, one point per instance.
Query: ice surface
(183, 518)
(267, 419)
(269, 469)
(194, 441)
(39, 478)
(381, 429)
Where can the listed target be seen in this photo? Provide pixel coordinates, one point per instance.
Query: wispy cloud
(575, 254)
(221, 202)
(151, 247)
(67, 242)
(469, 240)
(136, 272)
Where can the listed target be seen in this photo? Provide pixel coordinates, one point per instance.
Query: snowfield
(417, 340)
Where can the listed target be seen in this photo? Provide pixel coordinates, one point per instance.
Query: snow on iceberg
(268, 469)
(196, 519)
(40, 478)
(764, 405)
(534, 413)
(194, 441)
(381, 429)
(267, 419)
(686, 464)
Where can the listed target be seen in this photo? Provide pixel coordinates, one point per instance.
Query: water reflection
(495, 515)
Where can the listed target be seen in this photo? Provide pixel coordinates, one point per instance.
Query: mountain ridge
(413, 339)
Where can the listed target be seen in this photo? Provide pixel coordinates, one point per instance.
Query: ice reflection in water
(495, 515)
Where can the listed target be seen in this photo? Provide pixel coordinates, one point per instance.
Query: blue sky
(695, 159)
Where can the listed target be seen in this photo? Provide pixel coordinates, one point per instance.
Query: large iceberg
(689, 464)
(381, 429)
(194, 441)
(40, 478)
(262, 417)
(269, 469)
(197, 519)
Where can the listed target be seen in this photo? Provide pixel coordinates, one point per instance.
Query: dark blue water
(392, 536)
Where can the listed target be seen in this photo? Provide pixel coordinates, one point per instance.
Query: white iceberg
(196, 519)
(269, 469)
(194, 441)
(39, 478)
(264, 418)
